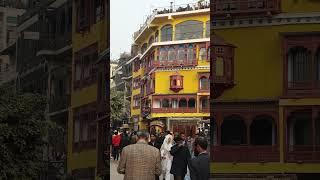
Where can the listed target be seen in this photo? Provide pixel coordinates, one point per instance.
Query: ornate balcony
(227, 8)
(245, 153)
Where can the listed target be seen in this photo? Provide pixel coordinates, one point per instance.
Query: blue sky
(126, 17)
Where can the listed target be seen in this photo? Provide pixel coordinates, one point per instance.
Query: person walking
(140, 161)
(181, 156)
(125, 140)
(166, 156)
(116, 145)
(199, 166)
(154, 144)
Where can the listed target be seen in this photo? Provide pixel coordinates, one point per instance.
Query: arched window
(192, 103)
(263, 131)
(191, 53)
(202, 54)
(151, 40)
(166, 33)
(204, 83)
(163, 54)
(144, 48)
(175, 103)
(156, 103)
(183, 103)
(233, 131)
(165, 103)
(299, 66)
(207, 29)
(172, 54)
(189, 30)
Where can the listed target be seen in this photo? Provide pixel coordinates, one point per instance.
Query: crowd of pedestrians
(146, 157)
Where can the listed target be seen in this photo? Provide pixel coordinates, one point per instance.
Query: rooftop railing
(172, 9)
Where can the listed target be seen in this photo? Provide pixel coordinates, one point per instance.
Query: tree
(117, 103)
(23, 128)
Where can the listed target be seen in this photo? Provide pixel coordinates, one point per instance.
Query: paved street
(114, 175)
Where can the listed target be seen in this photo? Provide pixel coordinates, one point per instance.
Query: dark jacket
(125, 141)
(199, 167)
(181, 156)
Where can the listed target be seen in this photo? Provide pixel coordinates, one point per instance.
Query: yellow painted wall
(300, 5)
(86, 95)
(258, 75)
(258, 62)
(158, 115)
(190, 81)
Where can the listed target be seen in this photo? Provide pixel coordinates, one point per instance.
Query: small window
(202, 54)
(204, 83)
(156, 103)
(183, 103)
(166, 33)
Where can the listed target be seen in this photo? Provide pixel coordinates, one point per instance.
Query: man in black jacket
(199, 166)
(181, 156)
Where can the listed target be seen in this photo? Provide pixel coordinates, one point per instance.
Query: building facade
(265, 89)
(86, 120)
(170, 81)
(8, 31)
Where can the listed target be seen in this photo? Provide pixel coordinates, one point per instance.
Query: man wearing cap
(140, 161)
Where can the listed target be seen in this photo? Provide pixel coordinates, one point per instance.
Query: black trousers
(178, 177)
(116, 152)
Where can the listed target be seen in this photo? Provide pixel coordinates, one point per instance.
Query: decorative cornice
(281, 19)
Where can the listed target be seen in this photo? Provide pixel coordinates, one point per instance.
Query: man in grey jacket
(199, 165)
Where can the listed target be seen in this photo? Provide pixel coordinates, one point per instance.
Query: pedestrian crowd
(146, 156)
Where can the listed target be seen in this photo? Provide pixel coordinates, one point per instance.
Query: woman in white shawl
(166, 156)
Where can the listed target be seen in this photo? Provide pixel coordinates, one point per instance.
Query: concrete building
(8, 36)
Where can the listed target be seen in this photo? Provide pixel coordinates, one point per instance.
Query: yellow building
(171, 70)
(89, 40)
(266, 93)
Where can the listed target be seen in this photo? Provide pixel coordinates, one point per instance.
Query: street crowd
(144, 156)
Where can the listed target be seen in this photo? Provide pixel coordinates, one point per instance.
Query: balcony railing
(223, 7)
(171, 9)
(303, 88)
(174, 110)
(303, 153)
(58, 103)
(245, 153)
(175, 63)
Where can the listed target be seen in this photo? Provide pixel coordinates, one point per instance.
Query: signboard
(31, 35)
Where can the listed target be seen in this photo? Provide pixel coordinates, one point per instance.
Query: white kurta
(166, 156)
